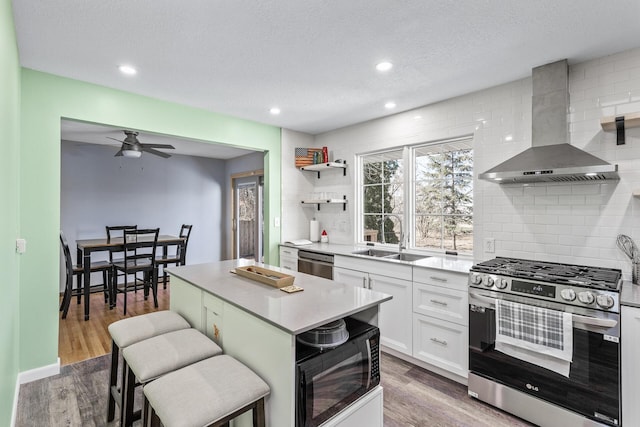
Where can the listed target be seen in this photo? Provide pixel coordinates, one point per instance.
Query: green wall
(45, 99)
(9, 218)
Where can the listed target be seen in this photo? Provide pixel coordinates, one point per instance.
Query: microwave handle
(369, 367)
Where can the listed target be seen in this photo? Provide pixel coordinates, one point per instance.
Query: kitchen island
(258, 325)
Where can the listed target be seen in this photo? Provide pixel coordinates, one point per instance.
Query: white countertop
(441, 262)
(630, 294)
(322, 300)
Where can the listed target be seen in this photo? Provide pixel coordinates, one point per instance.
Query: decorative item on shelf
(305, 156)
(325, 154)
(324, 237)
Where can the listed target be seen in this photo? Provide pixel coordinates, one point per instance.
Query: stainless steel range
(544, 341)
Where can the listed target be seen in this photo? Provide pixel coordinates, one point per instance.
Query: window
(425, 191)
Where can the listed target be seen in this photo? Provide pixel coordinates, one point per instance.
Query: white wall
(295, 184)
(571, 223)
(98, 189)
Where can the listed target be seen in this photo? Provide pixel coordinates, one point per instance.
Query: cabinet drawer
(449, 279)
(288, 263)
(383, 268)
(442, 303)
(442, 344)
(286, 251)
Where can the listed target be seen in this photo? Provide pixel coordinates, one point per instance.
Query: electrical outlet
(490, 245)
(276, 221)
(21, 246)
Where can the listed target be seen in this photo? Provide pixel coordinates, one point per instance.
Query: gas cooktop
(550, 272)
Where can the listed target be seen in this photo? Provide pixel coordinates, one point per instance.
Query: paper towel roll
(314, 230)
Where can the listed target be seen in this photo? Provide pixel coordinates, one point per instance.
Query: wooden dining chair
(115, 231)
(78, 271)
(139, 257)
(180, 255)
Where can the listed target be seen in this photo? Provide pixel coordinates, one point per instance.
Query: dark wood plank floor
(412, 397)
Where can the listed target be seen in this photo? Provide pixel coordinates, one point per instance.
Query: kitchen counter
(630, 294)
(322, 300)
(442, 262)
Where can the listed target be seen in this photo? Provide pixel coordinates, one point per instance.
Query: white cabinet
(630, 329)
(394, 318)
(441, 319)
(366, 411)
(289, 258)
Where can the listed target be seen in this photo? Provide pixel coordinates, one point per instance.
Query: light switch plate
(276, 221)
(21, 246)
(490, 245)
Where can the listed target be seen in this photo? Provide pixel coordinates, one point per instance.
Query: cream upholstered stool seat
(149, 359)
(130, 331)
(208, 393)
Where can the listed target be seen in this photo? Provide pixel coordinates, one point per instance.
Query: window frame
(408, 215)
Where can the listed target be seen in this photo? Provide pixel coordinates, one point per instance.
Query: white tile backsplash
(566, 222)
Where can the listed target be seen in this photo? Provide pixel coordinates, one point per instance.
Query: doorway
(248, 214)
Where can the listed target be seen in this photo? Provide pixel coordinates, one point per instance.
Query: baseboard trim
(14, 409)
(39, 373)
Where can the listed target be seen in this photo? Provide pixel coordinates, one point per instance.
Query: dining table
(85, 247)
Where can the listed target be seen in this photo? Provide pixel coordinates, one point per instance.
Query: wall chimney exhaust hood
(551, 158)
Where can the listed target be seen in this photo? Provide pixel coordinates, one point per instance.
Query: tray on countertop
(266, 276)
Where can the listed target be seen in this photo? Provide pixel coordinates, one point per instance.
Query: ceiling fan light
(132, 153)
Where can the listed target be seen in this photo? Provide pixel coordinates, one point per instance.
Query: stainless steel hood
(551, 158)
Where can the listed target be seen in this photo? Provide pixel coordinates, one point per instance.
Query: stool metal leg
(128, 387)
(258, 414)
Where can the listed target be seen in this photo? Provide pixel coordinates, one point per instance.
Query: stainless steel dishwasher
(316, 264)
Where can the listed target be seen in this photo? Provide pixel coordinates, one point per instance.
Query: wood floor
(79, 340)
(413, 397)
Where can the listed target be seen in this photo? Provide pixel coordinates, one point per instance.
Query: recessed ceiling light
(275, 111)
(417, 117)
(128, 70)
(384, 66)
(508, 138)
(389, 105)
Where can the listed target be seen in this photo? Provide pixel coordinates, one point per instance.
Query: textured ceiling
(314, 59)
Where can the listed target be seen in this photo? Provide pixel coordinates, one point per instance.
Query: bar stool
(129, 331)
(149, 359)
(208, 393)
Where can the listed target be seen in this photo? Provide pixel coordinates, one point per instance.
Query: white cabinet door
(366, 411)
(213, 317)
(442, 344)
(357, 279)
(630, 329)
(395, 315)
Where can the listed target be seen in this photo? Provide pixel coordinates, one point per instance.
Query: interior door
(248, 217)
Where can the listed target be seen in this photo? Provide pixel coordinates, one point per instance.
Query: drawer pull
(286, 252)
(288, 268)
(435, 301)
(441, 342)
(438, 279)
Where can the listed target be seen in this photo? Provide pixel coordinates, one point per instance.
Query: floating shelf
(325, 166)
(319, 202)
(619, 123)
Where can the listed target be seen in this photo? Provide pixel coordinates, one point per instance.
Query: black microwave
(330, 380)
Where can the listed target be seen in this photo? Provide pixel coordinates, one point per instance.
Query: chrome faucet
(402, 244)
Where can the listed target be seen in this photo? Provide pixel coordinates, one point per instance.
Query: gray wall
(98, 189)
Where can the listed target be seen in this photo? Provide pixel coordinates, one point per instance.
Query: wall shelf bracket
(619, 131)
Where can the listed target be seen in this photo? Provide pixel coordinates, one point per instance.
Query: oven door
(330, 381)
(593, 385)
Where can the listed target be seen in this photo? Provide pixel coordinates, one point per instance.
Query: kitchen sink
(378, 253)
(405, 257)
(374, 252)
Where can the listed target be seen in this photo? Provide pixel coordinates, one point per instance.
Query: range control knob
(604, 301)
(568, 294)
(488, 281)
(476, 279)
(502, 283)
(586, 297)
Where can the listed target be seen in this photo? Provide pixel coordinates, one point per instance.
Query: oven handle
(577, 318)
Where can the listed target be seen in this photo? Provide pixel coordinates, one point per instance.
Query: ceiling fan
(131, 147)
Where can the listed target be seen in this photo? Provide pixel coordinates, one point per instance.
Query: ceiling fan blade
(167, 146)
(119, 153)
(156, 152)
